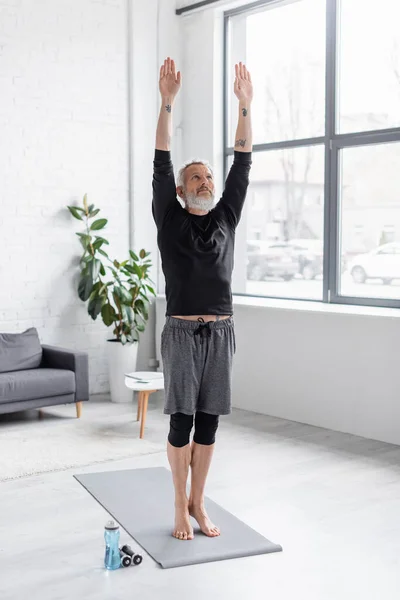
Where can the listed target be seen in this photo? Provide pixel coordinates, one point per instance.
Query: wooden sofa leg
(78, 409)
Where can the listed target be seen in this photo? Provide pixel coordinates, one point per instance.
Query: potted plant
(117, 291)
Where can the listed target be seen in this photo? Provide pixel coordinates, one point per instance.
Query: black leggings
(205, 427)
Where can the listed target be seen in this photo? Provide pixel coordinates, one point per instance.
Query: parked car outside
(271, 259)
(311, 257)
(381, 263)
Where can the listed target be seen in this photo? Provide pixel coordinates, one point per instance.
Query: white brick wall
(63, 132)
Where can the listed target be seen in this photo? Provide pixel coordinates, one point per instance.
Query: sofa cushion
(35, 383)
(19, 351)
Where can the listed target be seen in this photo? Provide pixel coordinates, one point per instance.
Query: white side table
(144, 382)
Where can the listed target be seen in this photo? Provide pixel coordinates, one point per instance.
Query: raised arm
(237, 182)
(243, 89)
(164, 189)
(169, 85)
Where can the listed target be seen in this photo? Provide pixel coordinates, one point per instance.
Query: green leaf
(124, 315)
(133, 255)
(95, 267)
(101, 290)
(99, 224)
(140, 328)
(138, 271)
(85, 288)
(94, 306)
(75, 212)
(93, 213)
(98, 242)
(123, 294)
(128, 314)
(140, 306)
(90, 208)
(129, 269)
(108, 314)
(98, 237)
(131, 314)
(86, 259)
(84, 240)
(151, 290)
(142, 253)
(102, 269)
(134, 289)
(104, 254)
(95, 290)
(116, 264)
(123, 339)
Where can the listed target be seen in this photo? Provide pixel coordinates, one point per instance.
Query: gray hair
(193, 161)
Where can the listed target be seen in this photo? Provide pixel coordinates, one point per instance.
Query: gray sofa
(33, 375)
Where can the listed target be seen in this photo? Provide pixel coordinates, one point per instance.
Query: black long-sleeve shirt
(197, 251)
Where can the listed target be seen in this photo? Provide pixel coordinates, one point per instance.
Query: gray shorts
(197, 364)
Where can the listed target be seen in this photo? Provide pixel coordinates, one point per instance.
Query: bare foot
(207, 527)
(183, 528)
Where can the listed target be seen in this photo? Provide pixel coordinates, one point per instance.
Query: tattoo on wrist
(244, 112)
(168, 108)
(240, 143)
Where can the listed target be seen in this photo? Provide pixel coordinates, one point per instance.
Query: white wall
(337, 370)
(63, 123)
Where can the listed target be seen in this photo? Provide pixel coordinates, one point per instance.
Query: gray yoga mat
(142, 502)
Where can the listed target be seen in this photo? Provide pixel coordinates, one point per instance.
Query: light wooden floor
(331, 500)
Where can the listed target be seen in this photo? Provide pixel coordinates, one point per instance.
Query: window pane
(370, 221)
(369, 65)
(284, 48)
(279, 242)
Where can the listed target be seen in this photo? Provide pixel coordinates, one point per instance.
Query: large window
(322, 215)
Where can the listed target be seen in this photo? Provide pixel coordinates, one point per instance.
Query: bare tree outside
(293, 110)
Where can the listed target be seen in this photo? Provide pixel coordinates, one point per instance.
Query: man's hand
(170, 81)
(243, 87)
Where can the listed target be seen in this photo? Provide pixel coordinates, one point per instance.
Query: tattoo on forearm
(168, 108)
(240, 143)
(244, 112)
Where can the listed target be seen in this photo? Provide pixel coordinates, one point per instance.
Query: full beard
(198, 202)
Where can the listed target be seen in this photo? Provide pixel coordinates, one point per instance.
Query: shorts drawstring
(206, 327)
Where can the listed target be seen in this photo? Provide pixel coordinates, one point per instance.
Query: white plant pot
(121, 359)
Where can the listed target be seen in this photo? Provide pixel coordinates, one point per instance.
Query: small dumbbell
(125, 559)
(135, 558)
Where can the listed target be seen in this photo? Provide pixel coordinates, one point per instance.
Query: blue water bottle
(112, 559)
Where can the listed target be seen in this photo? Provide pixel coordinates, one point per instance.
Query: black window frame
(333, 144)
